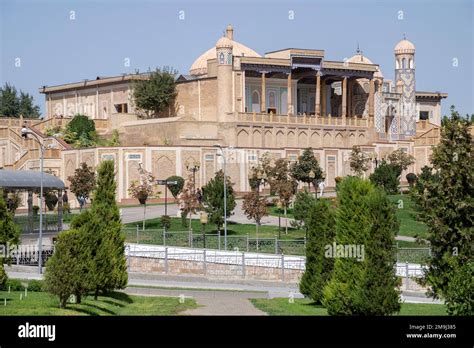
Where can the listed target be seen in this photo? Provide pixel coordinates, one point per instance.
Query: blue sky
(55, 49)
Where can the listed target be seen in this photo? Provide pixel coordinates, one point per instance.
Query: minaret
(405, 83)
(224, 74)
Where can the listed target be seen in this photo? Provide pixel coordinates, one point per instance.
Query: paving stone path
(210, 302)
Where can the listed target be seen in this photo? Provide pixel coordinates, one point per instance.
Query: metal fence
(214, 263)
(215, 241)
(29, 255)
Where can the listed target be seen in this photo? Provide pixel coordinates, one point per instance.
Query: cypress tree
(9, 234)
(318, 270)
(363, 285)
(377, 293)
(66, 271)
(103, 235)
(449, 213)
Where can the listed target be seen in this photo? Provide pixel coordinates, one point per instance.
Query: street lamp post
(24, 133)
(193, 167)
(225, 195)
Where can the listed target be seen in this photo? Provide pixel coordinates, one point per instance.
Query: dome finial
(404, 36)
(230, 32)
(358, 49)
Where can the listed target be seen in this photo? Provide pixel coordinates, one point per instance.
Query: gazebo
(30, 181)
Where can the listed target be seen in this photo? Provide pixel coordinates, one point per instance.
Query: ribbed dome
(359, 58)
(404, 46)
(199, 67)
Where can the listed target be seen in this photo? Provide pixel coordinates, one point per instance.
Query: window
(121, 108)
(404, 63)
(229, 58)
(292, 158)
(411, 63)
(252, 158)
(108, 158)
(221, 58)
(424, 115)
(209, 157)
(135, 156)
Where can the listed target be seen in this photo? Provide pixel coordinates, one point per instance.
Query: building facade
(280, 103)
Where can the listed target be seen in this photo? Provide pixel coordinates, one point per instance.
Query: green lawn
(233, 229)
(116, 303)
(281, 306)
(407, 214)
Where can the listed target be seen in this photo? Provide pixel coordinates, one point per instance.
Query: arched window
(229, 58)
(221, 58)
(255, 101)
(272, 100)
(404, 63)
(397, 64)
(411, 63)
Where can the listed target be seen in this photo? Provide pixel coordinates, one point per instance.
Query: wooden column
(263, 96)
(349, 98)
(323, 97)
(317, 107)
(344, 97)
(289, 97)
(371, 101)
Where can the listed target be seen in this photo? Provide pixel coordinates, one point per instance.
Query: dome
(359, 58)
(199, 67)
(404, 46)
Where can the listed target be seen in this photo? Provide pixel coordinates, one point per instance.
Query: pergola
(30, 181)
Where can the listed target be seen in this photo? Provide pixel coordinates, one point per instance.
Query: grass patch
(115, 303)
(407, 215)
(233, 229)
(281, 306)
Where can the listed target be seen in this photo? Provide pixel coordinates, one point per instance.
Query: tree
(359, 161)
(400, 159)
(449, 214)
(283, 184)
(26, 106)
(386, 176)
(363, 285)
(67, 270)
(302, 205)
(103, 234)
(9, 234)
(82, 183)
(255, 208)
(188, 201)
(81, 132)
(14, 105)
(411, 178)
(318, 268)
(213, 198)
(176, 189)
(155, 94)
(307, 169)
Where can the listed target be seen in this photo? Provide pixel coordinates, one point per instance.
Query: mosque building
(281, 102)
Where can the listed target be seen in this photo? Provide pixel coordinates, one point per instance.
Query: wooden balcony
(270, 118)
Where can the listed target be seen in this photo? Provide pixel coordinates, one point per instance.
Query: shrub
(35, 285)
(411, 178)
(165, 222)
(386, 176)
(82, 125)
(14, 285)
